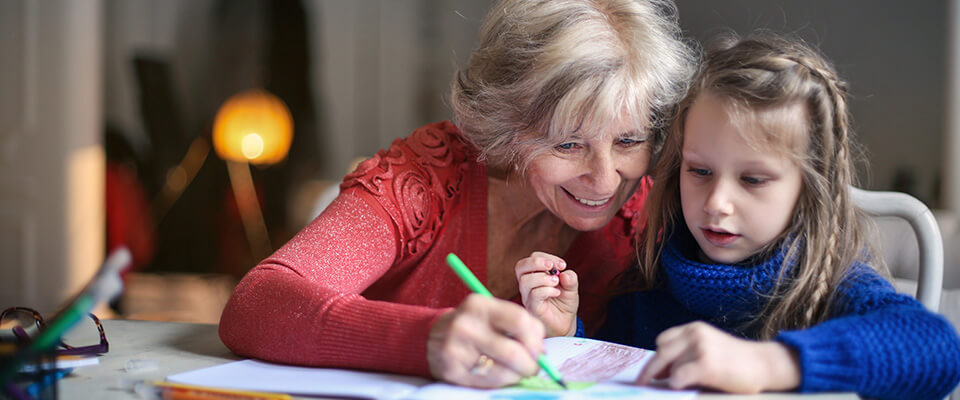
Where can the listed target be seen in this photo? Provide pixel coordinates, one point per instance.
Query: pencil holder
(36, 376)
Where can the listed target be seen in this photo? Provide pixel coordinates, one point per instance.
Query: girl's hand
(700, 355)
(485, 343)
(552, 297)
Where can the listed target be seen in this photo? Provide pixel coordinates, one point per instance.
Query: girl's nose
(718, 201)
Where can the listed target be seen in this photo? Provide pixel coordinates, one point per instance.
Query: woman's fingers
(512, 320)
(502, 332)
(448, 349)
(510, 335)
(494, 376)
(509, 354)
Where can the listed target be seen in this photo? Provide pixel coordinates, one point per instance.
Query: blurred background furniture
(900, 250)
(927, 233)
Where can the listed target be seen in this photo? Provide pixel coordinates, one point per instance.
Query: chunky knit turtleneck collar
(727, 295)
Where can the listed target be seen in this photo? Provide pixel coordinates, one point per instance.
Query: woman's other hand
(549, 292)
(700, 355)
(486, 343)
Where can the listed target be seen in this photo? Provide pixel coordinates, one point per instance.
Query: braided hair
(826, 233)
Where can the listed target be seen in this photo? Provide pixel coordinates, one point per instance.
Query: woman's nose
(603, 174)
(718, 201)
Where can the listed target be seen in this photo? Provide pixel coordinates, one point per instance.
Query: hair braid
(825, 110)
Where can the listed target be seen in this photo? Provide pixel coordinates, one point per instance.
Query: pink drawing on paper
(600, 363)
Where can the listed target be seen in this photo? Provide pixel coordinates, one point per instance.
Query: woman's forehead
(622, 124)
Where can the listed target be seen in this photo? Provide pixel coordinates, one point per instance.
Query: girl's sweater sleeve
(879, 343)
(303, 305)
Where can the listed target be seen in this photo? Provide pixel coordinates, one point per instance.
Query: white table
(179, 347)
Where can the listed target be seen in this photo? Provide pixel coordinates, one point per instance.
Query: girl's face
(585, 180)
(736, 198)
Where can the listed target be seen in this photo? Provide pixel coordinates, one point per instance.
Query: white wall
(382, 68)
(51, 161)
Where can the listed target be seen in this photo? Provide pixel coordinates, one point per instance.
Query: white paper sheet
(305, 381)
(581, 360)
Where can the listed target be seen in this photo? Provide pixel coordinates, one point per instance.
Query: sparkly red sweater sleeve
(348, 291)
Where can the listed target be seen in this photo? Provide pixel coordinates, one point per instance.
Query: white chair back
(920, 218)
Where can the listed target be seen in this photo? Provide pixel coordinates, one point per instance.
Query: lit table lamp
(253, 127)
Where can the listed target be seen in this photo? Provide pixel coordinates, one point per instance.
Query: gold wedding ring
(482, 366)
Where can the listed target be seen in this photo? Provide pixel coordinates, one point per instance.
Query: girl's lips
(719, 238)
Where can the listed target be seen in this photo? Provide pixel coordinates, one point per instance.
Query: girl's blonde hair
(545, 69)
(826, 233)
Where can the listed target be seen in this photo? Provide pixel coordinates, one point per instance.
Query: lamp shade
(253, 126)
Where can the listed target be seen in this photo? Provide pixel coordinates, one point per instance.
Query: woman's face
(585, 180)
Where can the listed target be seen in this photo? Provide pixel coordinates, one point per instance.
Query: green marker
(474, 284)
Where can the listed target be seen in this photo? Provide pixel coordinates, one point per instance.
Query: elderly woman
(556, 117)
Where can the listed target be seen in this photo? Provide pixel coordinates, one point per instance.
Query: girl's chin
(720, 257)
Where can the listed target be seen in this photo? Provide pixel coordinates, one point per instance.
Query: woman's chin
(587, 224)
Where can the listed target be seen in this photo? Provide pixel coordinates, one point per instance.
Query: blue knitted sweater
(877, 343)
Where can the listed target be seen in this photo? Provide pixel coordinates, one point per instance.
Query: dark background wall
(893, 55)
(361, 73)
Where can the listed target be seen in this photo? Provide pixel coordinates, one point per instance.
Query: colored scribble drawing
(600, 363)
(543, 383)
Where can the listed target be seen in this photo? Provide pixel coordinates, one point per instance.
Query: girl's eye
(753, 181)
(699, 171)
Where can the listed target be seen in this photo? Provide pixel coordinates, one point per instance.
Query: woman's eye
(567, 146)
(699, 171)
(754, 181)
(632, 141)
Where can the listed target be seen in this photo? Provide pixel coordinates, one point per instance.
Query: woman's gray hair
(547, 69)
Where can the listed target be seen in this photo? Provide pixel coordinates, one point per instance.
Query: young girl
(755, 268)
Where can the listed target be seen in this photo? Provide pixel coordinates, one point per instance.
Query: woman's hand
(485, 343)
(700, 355)
(551, 297)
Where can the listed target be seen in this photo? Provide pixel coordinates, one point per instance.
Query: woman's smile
(591, 204)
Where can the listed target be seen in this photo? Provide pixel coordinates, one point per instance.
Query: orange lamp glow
(254, 126)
